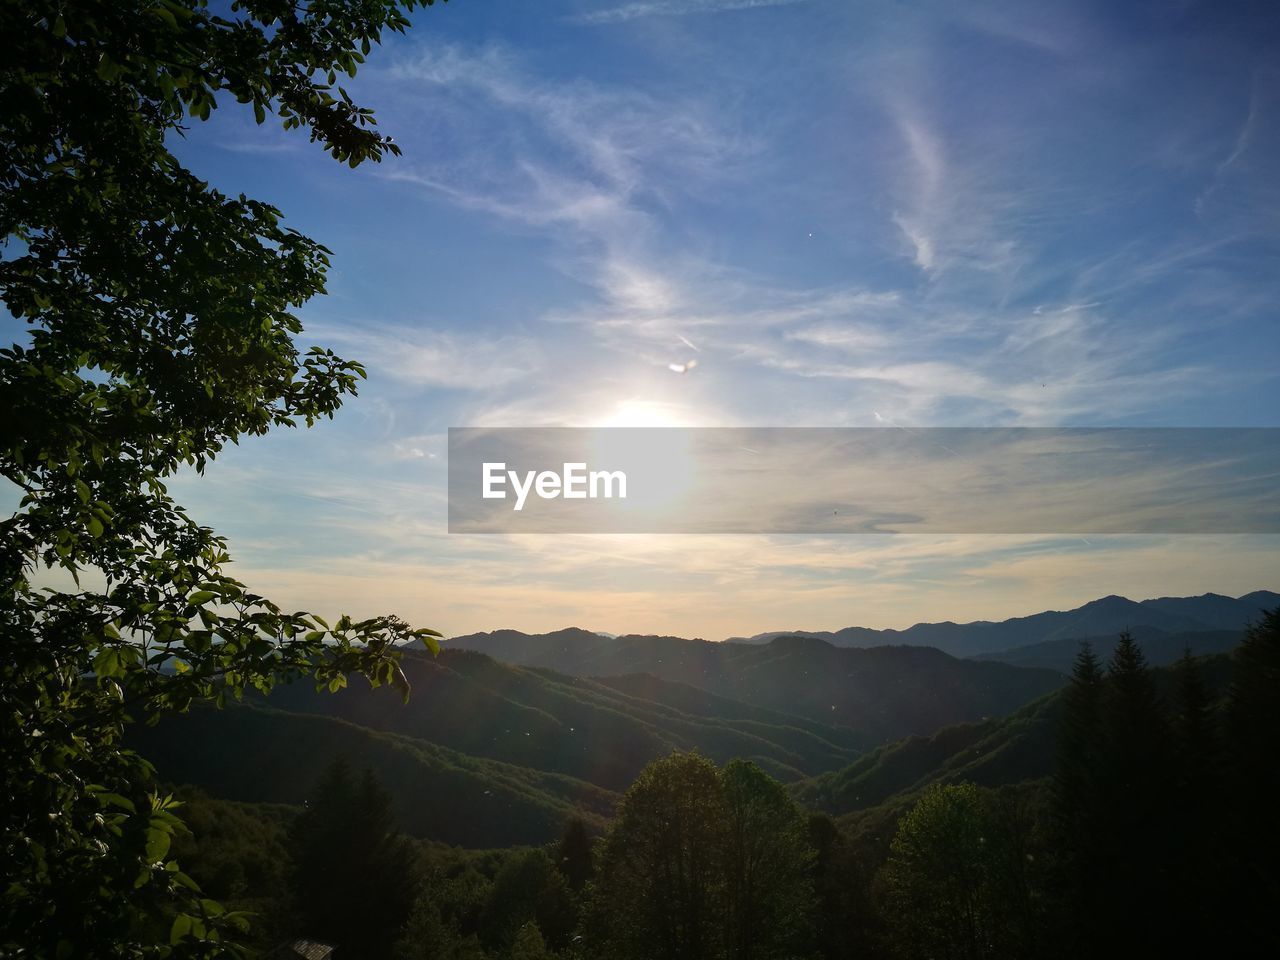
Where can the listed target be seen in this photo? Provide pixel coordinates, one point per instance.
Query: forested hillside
(880, 693)
(252, 754)
(603, 731)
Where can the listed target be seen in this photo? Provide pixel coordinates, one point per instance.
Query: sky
(848, 214)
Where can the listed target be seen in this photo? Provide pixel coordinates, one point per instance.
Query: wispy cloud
(673, 8)
(560, 153)
(428, 358)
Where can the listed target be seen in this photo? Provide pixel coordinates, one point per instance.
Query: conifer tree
(1079, 745)
(1137, 869)
(1078, 804)
(1197, 782)
(353, 874)
(574, 855)
(1253, 719)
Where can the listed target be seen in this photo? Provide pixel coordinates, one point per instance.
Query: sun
(643, 413)
(643, 437)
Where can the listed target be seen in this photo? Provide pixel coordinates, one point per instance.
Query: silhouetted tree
(1197, 786)
(1253, 720)
(573, 855)
(1136, 875)
(847, 922)
(158, 325)
(1079, 806)
(353, 874)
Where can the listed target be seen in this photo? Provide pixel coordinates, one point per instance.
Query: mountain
(1107, 616)
(602, 732)
(252, 754)
(1160, 647)
(878, 694)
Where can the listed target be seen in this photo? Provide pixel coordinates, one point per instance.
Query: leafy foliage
(767, 861)
(528, 890)
(660, 881)
(160, 329)
(953, 880)
(701, 863)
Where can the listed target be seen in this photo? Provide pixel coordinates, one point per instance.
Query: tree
(528, 889)
(529, 945)
(659, 886)
(1079, 806)
(425, 935)
(161, 327)
(847, 921)
(769, 896)
(1253, 724)
(574, 855)
(946, 881)
(1196, 781)
(1136, 882)
(353, 874)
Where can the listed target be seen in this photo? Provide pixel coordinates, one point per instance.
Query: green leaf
(115, 800)
(158, 842)
(181, 928)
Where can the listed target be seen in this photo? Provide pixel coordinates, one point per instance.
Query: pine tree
(1197, 777)
(573, 855)
(1138, 864)
(1079, 745)
(1078, 804)
(1253, 718)
(353, 874)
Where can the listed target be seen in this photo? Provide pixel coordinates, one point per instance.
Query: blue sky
(848, 214)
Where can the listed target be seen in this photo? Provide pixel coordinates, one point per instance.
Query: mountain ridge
(881, 693)
(1103, 616)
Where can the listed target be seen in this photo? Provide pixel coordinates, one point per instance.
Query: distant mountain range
(1098, 618)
